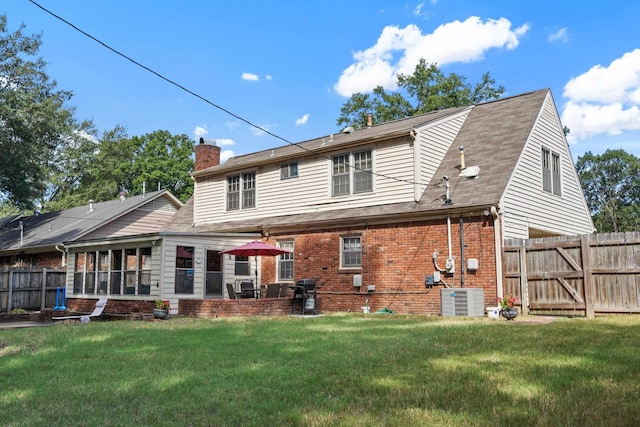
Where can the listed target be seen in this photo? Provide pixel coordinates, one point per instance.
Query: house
(108, 248)
(387, 214)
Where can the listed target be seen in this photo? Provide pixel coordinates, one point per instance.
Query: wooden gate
(581, 275)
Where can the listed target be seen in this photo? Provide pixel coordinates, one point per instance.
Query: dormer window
(351, 173)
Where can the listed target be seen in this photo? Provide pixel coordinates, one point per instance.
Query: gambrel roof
(53, 228)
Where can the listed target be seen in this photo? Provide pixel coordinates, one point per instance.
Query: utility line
(202, 98)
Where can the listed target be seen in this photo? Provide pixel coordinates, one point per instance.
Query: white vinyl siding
(311, 190)
(566, 214)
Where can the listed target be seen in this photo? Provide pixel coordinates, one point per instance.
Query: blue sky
(288, 66)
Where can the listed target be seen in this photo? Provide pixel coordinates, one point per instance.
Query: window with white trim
(285, 261)
(241, 191)
(551, 172)
(352, 173)
(351, 252)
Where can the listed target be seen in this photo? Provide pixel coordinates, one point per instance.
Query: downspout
(64, 254)
(497, 237)
(416, 166)
(461, 221)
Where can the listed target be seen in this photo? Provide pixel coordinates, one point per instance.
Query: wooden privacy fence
(584, 275)
(29, 288)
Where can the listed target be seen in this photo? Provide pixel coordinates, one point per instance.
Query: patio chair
(85, 318)
(273, 290)
(232, 292)
(284, 288)
(247, 290)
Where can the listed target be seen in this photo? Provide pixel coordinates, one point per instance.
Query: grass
(342, 370)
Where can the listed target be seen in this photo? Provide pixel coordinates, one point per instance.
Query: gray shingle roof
(53, 228)
(493, 135)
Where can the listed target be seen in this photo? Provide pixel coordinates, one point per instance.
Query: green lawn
(341, 370)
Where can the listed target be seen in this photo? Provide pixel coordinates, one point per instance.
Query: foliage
(162, 160)
(163, 304)
(507, 302)
(427, 89)
(35, 123)
(611, 185)
(339, 370)
(120, 163)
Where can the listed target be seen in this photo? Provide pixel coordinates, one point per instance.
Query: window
(285, 261)
(246, 182)
(144, 272)
(551, 171)
(248, 190)
(106, 271)
(289, 170)
(233, 193)
(242, 266)
(362, 172)
(351, 256)
(343, 174)
(184, 270)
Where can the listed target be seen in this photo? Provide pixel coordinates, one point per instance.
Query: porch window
(131, 262)
(184, 270)
(113, 272)
(351, 252)
(285, 261)
(144, 272)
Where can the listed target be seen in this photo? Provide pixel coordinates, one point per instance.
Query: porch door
(213, 275)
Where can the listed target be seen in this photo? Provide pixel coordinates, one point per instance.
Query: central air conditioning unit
(467, 302)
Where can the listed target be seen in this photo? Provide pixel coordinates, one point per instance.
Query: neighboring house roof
(53, 228)
(493, 135)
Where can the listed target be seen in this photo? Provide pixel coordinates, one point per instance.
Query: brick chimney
(207, 155)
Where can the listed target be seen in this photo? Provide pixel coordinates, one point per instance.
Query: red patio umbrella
(255, 249)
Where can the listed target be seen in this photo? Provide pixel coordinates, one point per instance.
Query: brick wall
(228, 308)
(396, 258)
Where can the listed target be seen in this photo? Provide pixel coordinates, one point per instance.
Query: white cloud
(199, 131)
(560, 35)
(232, 125)
(225, 155)
(604, 100)
(250, 76)
(223, 142)
(268, 77)
(456, 41)
(418, 10)
(259, 132)
(302, 120)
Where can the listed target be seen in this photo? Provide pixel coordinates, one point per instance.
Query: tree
(155, 160)
(611, 185)
(34, 118)
(162, 160)
(427, 89)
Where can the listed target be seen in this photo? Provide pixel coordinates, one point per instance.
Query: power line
(202, 98)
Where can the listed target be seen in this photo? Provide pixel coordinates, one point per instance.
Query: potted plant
(162, 309)
(507, 309)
